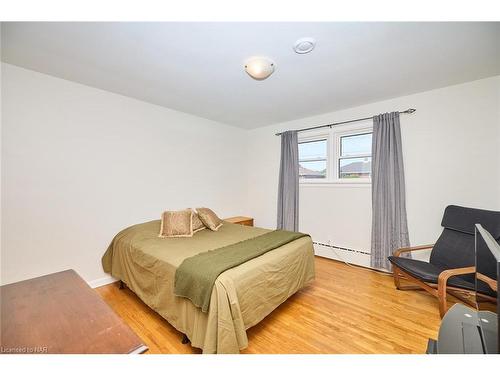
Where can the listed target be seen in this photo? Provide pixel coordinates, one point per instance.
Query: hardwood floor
(345, 310)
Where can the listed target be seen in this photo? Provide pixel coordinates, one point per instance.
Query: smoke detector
(304, 45)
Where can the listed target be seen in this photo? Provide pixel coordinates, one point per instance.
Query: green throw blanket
(195, 277)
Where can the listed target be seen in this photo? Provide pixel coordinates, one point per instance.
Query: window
(355, 156)
(339, 155)
(313, 159)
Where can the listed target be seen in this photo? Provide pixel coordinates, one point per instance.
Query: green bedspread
(196, 276)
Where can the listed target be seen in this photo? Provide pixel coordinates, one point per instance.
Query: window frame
(338, 138)
(323, 136)
(333, 136)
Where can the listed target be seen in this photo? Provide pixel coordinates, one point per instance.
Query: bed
(241, 296)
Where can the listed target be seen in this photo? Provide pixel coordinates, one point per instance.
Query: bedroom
(157, 159)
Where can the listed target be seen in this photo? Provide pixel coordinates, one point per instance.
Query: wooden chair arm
(489, 281)
(446, 274)
(398, 252)
(443, 280)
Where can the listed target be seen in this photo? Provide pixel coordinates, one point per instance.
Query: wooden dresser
(60, 313)
(243, 220)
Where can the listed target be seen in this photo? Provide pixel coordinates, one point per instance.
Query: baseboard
(339, 254)
(102, 281)
(342, 255)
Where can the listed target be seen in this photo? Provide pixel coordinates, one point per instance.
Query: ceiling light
(259, 68)
(304, 45)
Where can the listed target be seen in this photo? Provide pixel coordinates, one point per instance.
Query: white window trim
(319, 136)
(337, 156)
(332, 135)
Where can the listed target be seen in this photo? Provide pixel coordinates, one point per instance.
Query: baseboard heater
(341, 248)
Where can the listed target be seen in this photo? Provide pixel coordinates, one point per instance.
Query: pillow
(197, 223)
(209, 218)
(176, 224)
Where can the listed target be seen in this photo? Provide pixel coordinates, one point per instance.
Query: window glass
(312, 169)
(313, 159)
(312, 149)
(358, 144)
(355, 167)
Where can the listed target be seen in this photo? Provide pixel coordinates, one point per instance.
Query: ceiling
(198, 67)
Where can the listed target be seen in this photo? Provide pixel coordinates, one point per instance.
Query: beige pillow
(209, 218)
(176, 224)
(197, 223)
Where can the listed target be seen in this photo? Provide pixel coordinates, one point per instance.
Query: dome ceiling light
(259, 68)
(304, 45)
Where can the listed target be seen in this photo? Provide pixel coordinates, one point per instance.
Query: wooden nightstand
(243, 220)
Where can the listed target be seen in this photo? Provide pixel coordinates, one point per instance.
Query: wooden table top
(238, 218)
(60, 313)
(244, 220)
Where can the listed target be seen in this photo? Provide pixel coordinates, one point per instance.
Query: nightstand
(242, 220)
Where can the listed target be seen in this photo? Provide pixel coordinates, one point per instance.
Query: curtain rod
(408, 111)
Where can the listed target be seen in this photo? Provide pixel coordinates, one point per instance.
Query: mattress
(242, 296)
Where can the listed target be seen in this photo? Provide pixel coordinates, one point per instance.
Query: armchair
(451, 266)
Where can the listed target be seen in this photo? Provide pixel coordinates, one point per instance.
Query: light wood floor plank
(345, 310)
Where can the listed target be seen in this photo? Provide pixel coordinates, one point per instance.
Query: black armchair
(451, 266)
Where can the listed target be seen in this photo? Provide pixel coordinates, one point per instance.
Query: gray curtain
(288, 188)
(389, 223)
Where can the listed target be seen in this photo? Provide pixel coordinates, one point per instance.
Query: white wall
(80, 164)
(451, 153)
